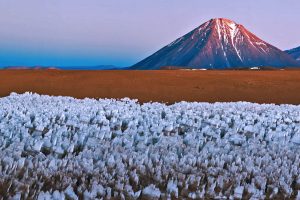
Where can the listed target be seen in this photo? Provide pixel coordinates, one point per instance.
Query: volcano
(218, 44)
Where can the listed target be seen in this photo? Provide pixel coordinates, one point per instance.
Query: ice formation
(65, 148)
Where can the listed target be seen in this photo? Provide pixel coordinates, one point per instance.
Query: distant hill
(218, 44)
(295, 53)
(27, 67)
(99, 67)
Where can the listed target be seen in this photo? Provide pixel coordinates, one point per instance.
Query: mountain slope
(218, 44)
(295, 53)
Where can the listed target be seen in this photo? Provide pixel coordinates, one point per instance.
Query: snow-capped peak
(225, 26)
(224, 21)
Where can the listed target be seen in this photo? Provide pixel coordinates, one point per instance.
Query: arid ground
(280, 87)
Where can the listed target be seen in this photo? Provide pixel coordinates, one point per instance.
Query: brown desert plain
(168, 86)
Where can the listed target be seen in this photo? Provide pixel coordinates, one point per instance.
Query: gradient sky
(122, 32)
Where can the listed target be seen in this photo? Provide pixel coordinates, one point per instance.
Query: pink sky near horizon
(93, 32)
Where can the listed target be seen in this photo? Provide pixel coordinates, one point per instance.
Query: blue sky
(96, 32)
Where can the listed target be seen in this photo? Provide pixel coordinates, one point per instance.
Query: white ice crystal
(151, 192)
(66, 148)
(70, 194)
(238, 192)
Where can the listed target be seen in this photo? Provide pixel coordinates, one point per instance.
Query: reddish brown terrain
(273, 86)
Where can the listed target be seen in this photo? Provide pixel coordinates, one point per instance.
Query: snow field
(65, 148)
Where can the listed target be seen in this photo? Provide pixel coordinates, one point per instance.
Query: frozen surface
(64, 148)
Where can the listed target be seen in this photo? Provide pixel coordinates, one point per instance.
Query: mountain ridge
(295, 53)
